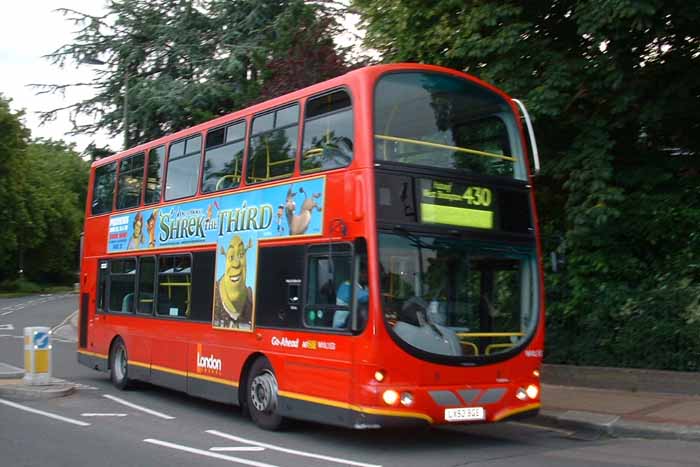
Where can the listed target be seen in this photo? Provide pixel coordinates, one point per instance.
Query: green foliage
(57, 181)
(176, 63)
(42, 200)
(13, 209)
(613, 87)
(20, 286)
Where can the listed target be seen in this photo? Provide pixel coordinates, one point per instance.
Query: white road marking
(291, 451)
(64, 321)
(6, 327)
(237, 448)
(138, 407)
(45, 414)
(206, 453)
(103, 415)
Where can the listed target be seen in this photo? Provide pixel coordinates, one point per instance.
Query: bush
(21, 286)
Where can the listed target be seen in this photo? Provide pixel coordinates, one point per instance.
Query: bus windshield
(457, 298)
(440, 121)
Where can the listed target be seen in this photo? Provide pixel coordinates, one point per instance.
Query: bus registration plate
(465, 413)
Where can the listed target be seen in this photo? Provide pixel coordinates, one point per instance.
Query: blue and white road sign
(41, 340)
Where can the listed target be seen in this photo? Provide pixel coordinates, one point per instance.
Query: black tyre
(262, 400)
(119, 369)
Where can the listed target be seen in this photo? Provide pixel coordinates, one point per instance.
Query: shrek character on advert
(137, 237)
(233, 300)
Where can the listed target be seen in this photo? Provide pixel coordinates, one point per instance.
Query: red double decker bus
(363, 252)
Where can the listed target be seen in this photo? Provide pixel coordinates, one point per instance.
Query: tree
(56, 189)
(176, 63)
(614, 87)
(304, 52)
(13, 144)
(43, 187)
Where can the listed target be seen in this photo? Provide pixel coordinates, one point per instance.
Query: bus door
(303, 299)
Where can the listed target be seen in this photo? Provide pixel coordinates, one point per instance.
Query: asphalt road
(149, 426)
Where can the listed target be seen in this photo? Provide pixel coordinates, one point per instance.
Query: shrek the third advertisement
(235, 223)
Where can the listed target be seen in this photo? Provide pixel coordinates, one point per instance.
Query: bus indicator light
(379, 376)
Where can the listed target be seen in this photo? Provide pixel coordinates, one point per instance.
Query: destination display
(457, 204)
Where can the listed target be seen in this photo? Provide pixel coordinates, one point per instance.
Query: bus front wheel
(262, 399)
(119, 370)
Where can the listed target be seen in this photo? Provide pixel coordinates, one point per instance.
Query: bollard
(37, 355)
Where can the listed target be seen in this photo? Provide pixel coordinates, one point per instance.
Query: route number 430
(478, 196)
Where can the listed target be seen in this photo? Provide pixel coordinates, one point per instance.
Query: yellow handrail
(490, 334)
(235, 178)
(445, 146)
(496, 346)
(473, 345)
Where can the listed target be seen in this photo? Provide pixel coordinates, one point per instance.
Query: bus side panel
(169, 354)
(317, 370)
(213, 370)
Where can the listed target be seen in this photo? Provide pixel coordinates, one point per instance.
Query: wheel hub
(263, 392)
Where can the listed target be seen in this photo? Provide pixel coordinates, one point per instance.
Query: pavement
(621, 413)
(614, 406)
(14, 386)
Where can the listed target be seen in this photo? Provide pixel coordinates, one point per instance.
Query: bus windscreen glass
(455, 298)
(441, 121)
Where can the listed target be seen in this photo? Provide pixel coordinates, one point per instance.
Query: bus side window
(147, 279)
(154, 174)
(182, 173)
(273, 145)
(223, 158)
(330, 291)
(203, 271)
(328, 133)
(103, 188)
(102, 277)
(122, 285)
(175, 286)
(130, 181)
(278, 293)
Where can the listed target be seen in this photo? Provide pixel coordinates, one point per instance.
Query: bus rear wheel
(262, 398)
(119, 369)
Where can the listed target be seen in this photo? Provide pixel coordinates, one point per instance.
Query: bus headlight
(390, 397)
(532, 391)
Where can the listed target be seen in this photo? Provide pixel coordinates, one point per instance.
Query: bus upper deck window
(154, 177)
(328, 132)
(223, 158)
(183, 168)
(103, 188)
(130, 181)
(273, 145)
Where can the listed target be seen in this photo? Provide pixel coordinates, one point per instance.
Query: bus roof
(358, 74)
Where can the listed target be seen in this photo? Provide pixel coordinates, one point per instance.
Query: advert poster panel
(235, 223)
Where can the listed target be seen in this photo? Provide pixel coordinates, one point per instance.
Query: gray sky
(30, 29)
